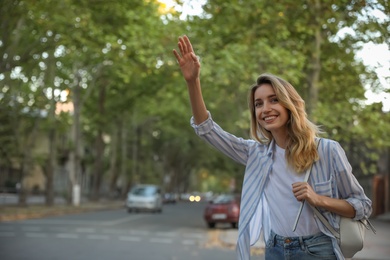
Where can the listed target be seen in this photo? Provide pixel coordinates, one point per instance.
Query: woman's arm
(352, 201)
(190, 68)
(303, 191)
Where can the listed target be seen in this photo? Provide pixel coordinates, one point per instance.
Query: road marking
(85, 230)
(139, 232)
(41, 235)
(132, 239)
(59, 229)
(161, 240)
(166, 234)
(121, 220)
(115, 231)
(65, 235)
(194, 235)
(188, 242)
(98, 237)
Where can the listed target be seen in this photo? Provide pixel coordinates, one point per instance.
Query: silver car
(144, 197)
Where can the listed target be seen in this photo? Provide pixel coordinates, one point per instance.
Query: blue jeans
(318, 246)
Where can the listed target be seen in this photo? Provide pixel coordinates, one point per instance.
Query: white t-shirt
(283, 206)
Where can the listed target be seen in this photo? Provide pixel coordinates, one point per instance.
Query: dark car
(223, 209)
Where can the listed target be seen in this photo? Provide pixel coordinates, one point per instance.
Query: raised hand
(189, 63)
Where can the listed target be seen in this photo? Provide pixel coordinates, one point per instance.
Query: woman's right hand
(189, 63)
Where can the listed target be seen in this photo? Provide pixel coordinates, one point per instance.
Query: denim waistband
(299, 241)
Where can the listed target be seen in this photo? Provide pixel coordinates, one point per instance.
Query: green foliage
(118, 55)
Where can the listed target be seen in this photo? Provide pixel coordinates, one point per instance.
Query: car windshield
(222, 199)
(143, 191)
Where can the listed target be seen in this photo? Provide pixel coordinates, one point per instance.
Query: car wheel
(234, 224)
(211, 225)
(130, 210)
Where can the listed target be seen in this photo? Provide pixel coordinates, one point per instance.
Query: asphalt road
(177, 233)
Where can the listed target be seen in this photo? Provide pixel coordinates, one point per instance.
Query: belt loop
(273, 237)
(302, 243)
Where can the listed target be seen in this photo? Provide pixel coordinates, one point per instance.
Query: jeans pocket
(270, 242)
(322, 249)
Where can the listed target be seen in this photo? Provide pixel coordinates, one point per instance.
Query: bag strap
(318, 213)
(325, 222)
(306, 179)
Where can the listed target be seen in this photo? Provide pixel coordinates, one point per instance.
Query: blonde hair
(301, 149)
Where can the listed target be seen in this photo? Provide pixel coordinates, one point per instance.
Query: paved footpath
(376, 246)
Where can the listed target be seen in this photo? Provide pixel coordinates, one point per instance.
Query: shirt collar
(271, 147)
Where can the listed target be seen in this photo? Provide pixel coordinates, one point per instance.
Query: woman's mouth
(269, 119)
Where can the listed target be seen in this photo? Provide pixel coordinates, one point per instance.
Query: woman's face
(270, 114)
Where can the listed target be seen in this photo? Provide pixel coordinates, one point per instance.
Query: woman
(283, 148)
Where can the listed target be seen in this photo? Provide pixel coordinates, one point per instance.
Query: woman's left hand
(303, 191)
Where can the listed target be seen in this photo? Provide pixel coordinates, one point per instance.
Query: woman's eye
(257, 104)
(274, 100)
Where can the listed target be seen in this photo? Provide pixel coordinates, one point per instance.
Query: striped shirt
(331, 176)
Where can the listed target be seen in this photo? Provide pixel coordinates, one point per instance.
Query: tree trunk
(113, 171)
(123, 170)
(314, 66)
(52, 162)
(75, 152)
(99, 145)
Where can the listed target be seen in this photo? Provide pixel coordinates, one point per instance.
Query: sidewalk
(376, 246)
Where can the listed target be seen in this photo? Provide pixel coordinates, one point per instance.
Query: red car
(223, 209)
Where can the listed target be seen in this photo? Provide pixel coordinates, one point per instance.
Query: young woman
(283, 148)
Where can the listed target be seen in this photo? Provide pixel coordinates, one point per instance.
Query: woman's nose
(266, 107)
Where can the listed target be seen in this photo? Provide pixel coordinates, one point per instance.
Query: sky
(373, 55)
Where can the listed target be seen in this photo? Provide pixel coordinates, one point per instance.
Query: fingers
(176, 55)
(187, 43)
(184, 45)
(300, 190)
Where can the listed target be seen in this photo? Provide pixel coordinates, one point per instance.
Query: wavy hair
(301, 149)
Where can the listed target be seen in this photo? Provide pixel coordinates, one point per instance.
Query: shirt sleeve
(234, 147)
(348, 186)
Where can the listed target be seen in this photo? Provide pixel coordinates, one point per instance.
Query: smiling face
(270, 114)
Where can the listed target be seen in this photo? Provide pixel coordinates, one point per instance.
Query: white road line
(161, 240)
(114, 231)
(98, 237)
(41, 235)
(166, 234)
(200, 236)
(188, 242)
(121, 220)
(59, 229)
(66, 235)
(85, 230)
(7, 234)
(139, 232)
(132, 239)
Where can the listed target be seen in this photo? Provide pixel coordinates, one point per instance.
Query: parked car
(170, 198)
(223, 209)
(144, 197)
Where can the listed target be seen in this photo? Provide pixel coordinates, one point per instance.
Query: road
(177, 233)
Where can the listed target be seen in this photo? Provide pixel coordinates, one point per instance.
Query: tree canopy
(112, 62)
